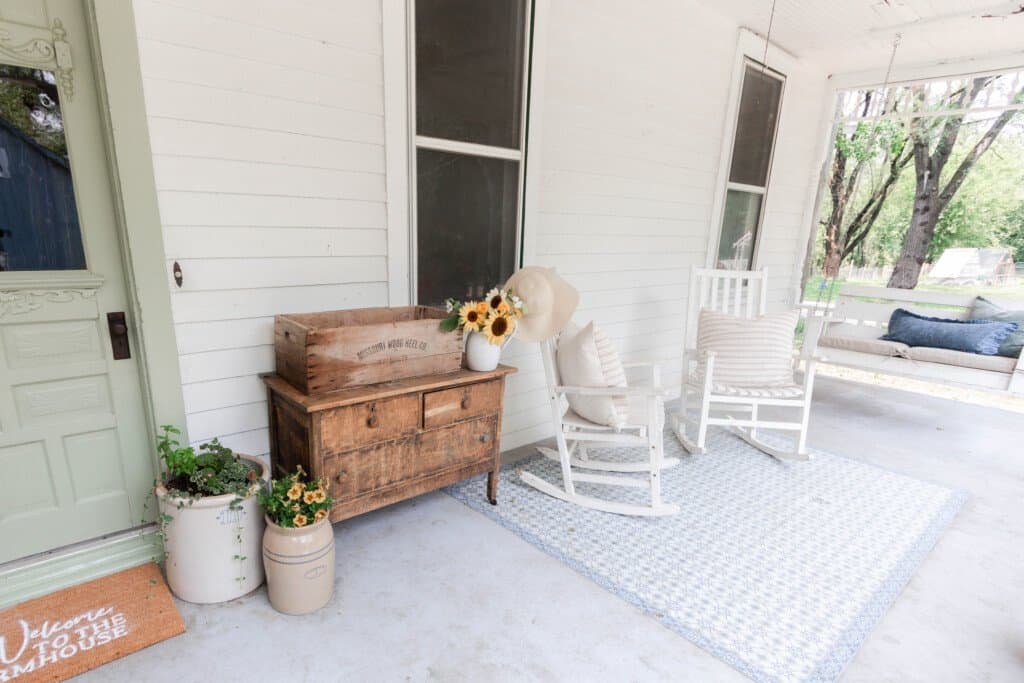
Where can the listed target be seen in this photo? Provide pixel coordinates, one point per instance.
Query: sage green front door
(75, 461)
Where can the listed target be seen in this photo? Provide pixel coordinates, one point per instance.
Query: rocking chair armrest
(611, 391)
(814, 327)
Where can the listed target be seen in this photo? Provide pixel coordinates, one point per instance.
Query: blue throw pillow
(972, 336)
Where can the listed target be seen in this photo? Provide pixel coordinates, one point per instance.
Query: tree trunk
(923, 219)
(931, 198)
(834, 248)
(834, 226)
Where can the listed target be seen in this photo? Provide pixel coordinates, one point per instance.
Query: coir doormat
(60, 635)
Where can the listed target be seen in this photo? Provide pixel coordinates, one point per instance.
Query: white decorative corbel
(62, 55)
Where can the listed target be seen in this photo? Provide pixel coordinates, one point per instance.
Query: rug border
(849, 642)
(846, 646)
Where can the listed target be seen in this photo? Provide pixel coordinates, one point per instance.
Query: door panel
(75, 461)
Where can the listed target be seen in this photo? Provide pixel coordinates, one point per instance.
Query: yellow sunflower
(495, 298)
(470, 316)
(309, 497)
(300, 520)
(320, 514)
(503, 307)
(295, 492)
(481, 308)
(497, 327)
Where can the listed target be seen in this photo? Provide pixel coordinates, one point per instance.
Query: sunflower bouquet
(291, 502)
(494, 317)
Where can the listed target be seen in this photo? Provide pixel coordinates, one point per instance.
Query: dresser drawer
(461, 403)
(342, 429)
(381, 466)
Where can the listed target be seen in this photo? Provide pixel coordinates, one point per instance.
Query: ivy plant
(213, 470)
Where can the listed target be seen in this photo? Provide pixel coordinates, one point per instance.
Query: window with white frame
(757, 120)
(469, 68)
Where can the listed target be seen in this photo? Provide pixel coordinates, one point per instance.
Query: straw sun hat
(550, 302)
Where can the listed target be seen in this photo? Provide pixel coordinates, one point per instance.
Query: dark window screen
(469, 70)
(466, 224)
(755, 127)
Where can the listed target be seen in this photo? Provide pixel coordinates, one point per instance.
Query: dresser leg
(492, 486)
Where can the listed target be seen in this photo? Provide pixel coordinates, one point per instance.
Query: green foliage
(291, 502)
(451, 323)
(987, 211)
(869, 140)
(213, 471)
(28, 101)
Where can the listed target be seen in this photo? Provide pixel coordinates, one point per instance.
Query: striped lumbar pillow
(587, 358)
(755, 352)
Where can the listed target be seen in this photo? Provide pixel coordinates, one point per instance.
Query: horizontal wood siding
(267, 127)
(631, 133)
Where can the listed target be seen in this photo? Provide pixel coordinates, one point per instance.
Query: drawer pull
(340, 477)
(484, 438)
(372, 421)
(465, 402)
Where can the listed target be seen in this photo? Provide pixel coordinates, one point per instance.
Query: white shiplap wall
(631, 124)
(266, 121)
(267, 126)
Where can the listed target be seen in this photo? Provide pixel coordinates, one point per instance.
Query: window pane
(755, 127)
(739, 230)
(38, 217)
(469, 72)
(466, 224)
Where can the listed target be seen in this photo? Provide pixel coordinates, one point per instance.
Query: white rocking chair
(738, 293)
(643, 430)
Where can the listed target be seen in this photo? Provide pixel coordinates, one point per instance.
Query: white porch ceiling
(855, 35)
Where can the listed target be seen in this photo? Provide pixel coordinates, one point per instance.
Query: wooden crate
(322, 352)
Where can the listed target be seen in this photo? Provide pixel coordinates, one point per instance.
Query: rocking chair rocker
(643, 430)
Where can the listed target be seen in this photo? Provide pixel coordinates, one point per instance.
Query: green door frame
(115, 54)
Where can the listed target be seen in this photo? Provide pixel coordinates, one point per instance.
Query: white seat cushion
(749, 352)
(696, 383)
(961, 359)
(877, 347)
(587, 358)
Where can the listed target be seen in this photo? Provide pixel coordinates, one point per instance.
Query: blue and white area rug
(779, 569)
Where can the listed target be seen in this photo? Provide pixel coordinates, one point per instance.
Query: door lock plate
(118, 335)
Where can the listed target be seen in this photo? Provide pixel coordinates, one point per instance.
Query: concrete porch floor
(430, 590)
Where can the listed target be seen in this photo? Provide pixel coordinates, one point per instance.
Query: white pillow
(587, 358)
(748, 352)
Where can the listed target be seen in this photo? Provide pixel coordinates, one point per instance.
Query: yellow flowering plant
(291, 502)
(494, 316)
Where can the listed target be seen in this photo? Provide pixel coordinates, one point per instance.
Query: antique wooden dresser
(381, 443)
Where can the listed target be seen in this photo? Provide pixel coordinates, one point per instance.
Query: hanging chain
(768, 38)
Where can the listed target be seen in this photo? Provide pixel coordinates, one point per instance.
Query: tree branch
(979, 148)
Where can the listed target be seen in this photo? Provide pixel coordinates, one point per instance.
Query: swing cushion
(587, 358)
(749, 352)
